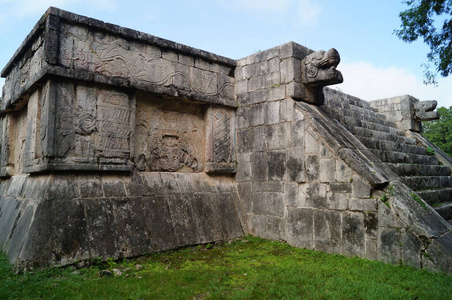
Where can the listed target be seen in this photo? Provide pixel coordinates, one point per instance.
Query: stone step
(419, 170)
(405, 158)
(382, 135)
(381, 144)
(445, 211)
(435, 197)
(420, 183)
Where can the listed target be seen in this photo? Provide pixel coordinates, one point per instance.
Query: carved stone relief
(318, 69)
(138, 62)
(25, 72)
(221, 143)
(425, 110)
(169, 136)
(93, 124)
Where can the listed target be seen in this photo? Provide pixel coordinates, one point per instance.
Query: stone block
(353, 234)
(343, 172)
(290, 70)
(337, 201)
(278, 136)
(363, 204)
(186, 60)
(312, 165)
(411, 249)
(300, 228)
(296, 90)
(326, 171)
(311, 144)
(272, 113)
(315, 195)
(371, 249)
(277, 92)
(113, 187)
(273, 80)
(265, 226)
(243, 167)
(361, 189)
(276, 165)
(386, 217)
(287, 111)
(241, 87)
(298, 133)
(268, 186)
(273, 65)
(324, 150)
(243, 119)
(202, 64)
(250, 71)
(268, 203)
(389, 245)
(292, 195)
(260, 141)
(257, 115)
(259, 166)
(295, 165)
(441, 252)
(170, 55)
(371, 224)
(327, 231)
(245, 140)
(245, 196)
(257, 83)
(340, 187)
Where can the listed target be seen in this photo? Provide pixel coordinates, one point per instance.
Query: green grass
(249, 268)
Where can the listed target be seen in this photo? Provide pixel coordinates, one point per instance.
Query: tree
(440, 131)
(422, 19)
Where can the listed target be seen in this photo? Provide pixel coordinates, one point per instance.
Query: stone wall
(67, 218)
(116, 143)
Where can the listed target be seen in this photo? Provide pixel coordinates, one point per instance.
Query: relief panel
(169, 135)
(221, 157)
(78, 127)
(140, 63)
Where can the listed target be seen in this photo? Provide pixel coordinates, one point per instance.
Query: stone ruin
(116, 143)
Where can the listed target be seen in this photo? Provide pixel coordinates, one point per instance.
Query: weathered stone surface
(158, 130)
(300, 228)
(353, 234)
(327, 231)
(116, 225)
(389, 245)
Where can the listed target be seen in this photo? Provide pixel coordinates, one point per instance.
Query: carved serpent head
(319, 68)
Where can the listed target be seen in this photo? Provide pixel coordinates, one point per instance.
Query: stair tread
(404, 169)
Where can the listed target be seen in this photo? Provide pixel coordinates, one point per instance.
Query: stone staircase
(404, 155)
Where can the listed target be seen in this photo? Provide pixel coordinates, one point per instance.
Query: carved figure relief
(115, 57)
(95, 123)
(169, 137)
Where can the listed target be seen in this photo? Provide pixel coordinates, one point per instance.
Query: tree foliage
(440, 131)
(423, 19)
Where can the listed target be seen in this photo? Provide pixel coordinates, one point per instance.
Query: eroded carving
(424, 110)
(318, 70)
(139, 63)
(93, 124)
(169, 137)
(221, 142)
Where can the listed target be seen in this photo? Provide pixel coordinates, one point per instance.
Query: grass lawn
(250, 268)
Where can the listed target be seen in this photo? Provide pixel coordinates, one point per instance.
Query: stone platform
(116, 143)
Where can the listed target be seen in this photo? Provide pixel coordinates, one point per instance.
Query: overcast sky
(375, 63)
